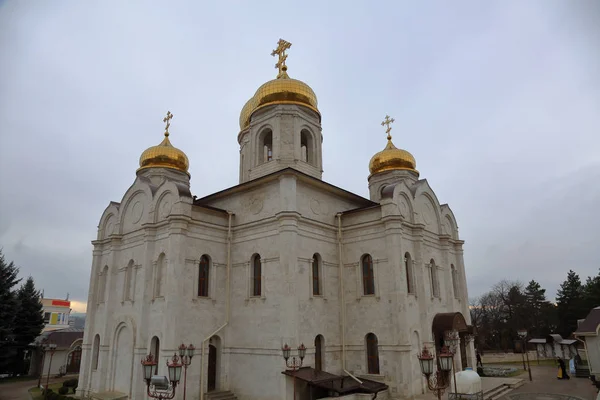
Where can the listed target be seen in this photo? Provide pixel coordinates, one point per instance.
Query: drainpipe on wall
(227, 306)
(342, 299)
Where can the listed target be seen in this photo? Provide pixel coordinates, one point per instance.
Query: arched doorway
(74, 360)
(122, 359)
(214, 349)
(212, 367)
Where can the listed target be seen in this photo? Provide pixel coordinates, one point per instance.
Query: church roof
(362, 202)
(589, 326)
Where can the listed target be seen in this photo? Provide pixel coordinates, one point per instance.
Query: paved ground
(545, 386)
(20, 390)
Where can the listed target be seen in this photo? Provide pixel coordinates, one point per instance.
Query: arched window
(95, 352)
(372, 354)
(368, 275)
(256, 275)
(159, 279)
(454, 273)
(266, 146)
(203, 272)
(319, 351)
(408, 268)
(128, 282)
(316, 275)
(306, 147)
(435, 288)
(155, 350)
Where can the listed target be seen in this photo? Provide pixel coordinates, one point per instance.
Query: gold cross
(282, 46)
(387, 122)
(167, 120)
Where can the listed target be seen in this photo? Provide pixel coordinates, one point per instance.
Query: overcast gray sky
(499, 102)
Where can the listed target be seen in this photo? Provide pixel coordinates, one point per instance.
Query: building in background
(56, 314)
(66, 358)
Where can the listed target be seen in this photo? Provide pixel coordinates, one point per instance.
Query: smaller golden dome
(164, 156)
(392, 158)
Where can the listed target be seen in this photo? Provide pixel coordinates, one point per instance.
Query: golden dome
(392, 158)
(282, 90)
(165, 155)
(245, 113)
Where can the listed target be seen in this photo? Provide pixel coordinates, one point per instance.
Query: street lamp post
(451, 340)
(51, 348)
(163, 388)
(436, 381)
(523, 335)
(293, 363)
(186, 354)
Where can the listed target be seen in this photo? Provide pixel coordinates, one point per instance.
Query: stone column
(471, 358)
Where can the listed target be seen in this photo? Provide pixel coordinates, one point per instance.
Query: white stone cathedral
(283, 257)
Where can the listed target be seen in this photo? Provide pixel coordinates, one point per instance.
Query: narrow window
(319, 353)
(408, 270)
(267, 146)
(102, 284)
(159, 285)
(368, 275)
(95, 352)
(127, 281)
(372, 354)
(155, 350)
(435, 290)
(306, 145)
(316, 275)
(454, 280)
(203, 276)
(256, 276)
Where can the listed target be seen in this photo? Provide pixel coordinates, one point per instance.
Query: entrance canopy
(335, 383)
(453, 321)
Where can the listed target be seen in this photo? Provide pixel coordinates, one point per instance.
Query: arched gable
(168, 199)
(427, 206)
(109, 221)
(404, 201)
(135, 207)
(449, 224)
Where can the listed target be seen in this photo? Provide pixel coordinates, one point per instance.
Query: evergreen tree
(8, 306)
(29, 321)
(537, 308)
(570, 305)
(591, 292)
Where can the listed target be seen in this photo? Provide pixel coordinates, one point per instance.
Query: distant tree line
(21, 319)
(510, 306)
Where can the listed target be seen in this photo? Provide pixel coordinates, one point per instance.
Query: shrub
(44, 392)
(63, 390)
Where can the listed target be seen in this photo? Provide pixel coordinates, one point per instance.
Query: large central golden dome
(282, 90)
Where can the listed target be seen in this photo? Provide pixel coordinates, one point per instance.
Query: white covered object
(467, 382)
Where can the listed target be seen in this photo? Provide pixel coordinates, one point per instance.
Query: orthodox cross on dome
(167, 120)
(387, 122)
(282, 46)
